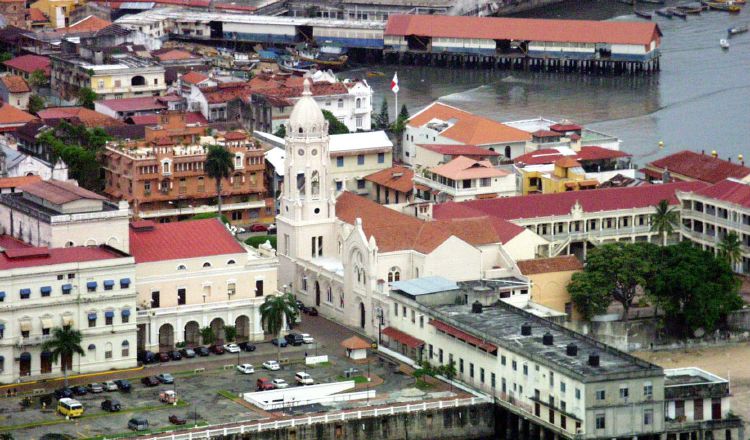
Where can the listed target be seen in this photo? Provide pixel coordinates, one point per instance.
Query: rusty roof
(547, 265)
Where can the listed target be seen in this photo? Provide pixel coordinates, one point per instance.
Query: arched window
(206, 264)
(329, 295)
(507, 151)
(394, 274)
(108, 350)
(341, 299)
(359, 103)
(125, 348)
(69, 244)
(230, 262)
(92, 347)
(181, 267)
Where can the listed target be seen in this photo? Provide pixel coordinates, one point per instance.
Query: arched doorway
(141, 341)
(138, 80)
(192, 334)
(166, 337)
(217, 326)
(362, 315)
(46, 362)
(242, 325)
(24, 366)
(317, 294)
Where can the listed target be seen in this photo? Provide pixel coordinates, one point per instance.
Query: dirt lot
(731, 361)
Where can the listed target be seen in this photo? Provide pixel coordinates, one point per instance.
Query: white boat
(724, 43)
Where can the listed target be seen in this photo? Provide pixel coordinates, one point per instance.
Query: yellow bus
(69, 407)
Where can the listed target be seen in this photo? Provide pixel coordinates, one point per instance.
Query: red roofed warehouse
(690, 166)
(572, 39)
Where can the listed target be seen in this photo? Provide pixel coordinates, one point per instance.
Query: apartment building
(465, 179)
(184, 285)
(575, 221)
(356, 155)
(164, 179)
(544, 377)
(708, 214)
(87, 288)
(58, 214)
(391, 185)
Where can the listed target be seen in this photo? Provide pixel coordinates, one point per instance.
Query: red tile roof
(404, 338)
(226, 92)
(355, 343)
(175, 54)
(133, 104)
(195, 118)
(395, 231)
(398, 178)
(58, 192)
(459, 150)
(564, 127)
(91, 23)
(86, 116)
(462, 335)
(8, 242)
(15, 182)
(193, 77)
(699, 166)
(15, 84)
(36, 15)
(468, 128)
(235, 136)
(234, 7)
(466, 168)
(563, 263)
(546, 205)
(10, 115)
(144, 119)
(728, 190)
(34, 257)
(523, 29)
(177, 241)
(550, 155)
(30, 63)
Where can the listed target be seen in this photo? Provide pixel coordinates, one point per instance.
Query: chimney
(547, 339)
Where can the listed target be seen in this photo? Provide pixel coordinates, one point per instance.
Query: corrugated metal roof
(424, 286)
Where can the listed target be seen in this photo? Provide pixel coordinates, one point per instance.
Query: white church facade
(340, 253)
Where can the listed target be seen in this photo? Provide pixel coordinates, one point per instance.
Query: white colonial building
(185, 285)
(88, 288)
(339, 254)
(13, 163)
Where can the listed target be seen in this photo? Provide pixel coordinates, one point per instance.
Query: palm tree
(273, 312)
(729, 248)
(218, 166)
(664, 220)
(65, 342)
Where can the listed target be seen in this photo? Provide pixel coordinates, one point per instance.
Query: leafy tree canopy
(78, 147)
(281, 131)
(334, 125)
(86, 97)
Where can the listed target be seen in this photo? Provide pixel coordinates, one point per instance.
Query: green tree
(64, 344)
(230, 333)
(5, 56)
(274, 310)
(334, 125)
(218, 167)
(404, 113)
(382, 119)
(78, 147)
(36, 103)
(205, 215)
(86, 97)
(619, 269)
(664, 220)
(730, 249)
(38, 79)
(281, 131)
(588, 292)
(694, 288)
(207, 335)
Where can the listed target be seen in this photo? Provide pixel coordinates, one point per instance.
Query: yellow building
(58, 11)
(566, 174)
(549, 279)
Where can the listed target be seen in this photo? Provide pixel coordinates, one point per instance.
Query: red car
(177, 420)
(264, 384)
(216, 349)
(163, 356)
(257, 227)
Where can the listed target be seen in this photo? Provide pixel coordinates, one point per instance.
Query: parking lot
(205, 387)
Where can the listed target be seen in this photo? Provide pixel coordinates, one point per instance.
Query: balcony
(144, 315)
(202, 209)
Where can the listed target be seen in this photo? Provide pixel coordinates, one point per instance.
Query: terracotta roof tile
(459, 150)
(34, 257)
(176, 241)
(523, 29)
(37, 16)
(355, 343)
(699, 166)
(15, 182)
(728, 190)
(546, 265)
(91, 23)
(398, 178)
(87, 117)
(58, 192)
(30, 63)
(8, 242)
(193, 77)
(175, 54)
(550, 155)
(15, 84)
(10, 115)
(546, 205)
(466, 168)
(468, 128)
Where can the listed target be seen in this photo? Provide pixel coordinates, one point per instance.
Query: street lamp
(380, 325)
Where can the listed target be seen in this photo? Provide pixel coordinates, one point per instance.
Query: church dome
(306, 118)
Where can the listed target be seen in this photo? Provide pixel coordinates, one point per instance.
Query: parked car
(80, 390)
(232, 348)
(257, 227)
(111, 405)
(110, 385)
(168, 396)
(95, 388)
(188, 353)
(63, 393)
(138, 424)
(281, 342)
(246, 369)
(307, 339)
(165, 378)
(216, 349)
(175, 355)
(313, 311)
(271, 365)
(123, 385)
(247, 346)
(163, 356)
(177, 420)
(264, 384)
(280, 383)
(294, 339)
(202, 351)
(150, 381)
(272, 229)
(303, 378)
(146, 357)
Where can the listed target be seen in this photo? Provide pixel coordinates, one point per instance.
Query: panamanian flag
(394, 83)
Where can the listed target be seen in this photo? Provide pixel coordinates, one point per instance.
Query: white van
(303, 378)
